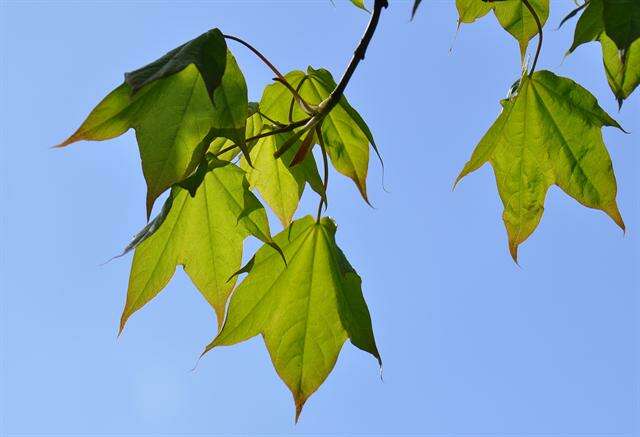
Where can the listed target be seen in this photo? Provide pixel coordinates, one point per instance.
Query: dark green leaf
(207, 52)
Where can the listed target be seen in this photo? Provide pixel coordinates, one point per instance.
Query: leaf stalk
(539, 24)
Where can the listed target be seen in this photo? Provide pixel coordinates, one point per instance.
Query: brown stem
(325, 163)
(279, 76)
(285, 128)
(358, 55)
(539, 24)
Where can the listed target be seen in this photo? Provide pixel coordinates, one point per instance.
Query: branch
(539, 24)
(327, 105)
(358, 55)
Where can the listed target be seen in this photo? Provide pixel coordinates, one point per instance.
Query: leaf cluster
(221, 158)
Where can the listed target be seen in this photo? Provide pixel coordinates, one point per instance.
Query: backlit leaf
(623, 77)
(230, 102)
(548, 133)
(516, 19)
(345, 133)
(305, 310)
(279, 184)
(512, 15)
(621, 64)
(207, 52)
(204, 234)
(470, 10)
(171, 117)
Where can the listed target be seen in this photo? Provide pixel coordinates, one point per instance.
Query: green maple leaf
(305, 310)
(280, 184)
(548, 133)
(172, 113)
(623, 70)
(590, 25)
(621, 57)
(512, 15)
(622, 21)
(346, 135)
(207, 52)
(470, 10)
(203, 233)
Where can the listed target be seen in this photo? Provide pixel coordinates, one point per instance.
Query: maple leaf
(206, 52)
(305, 310)
(548, 133)
(280, 185)
(471, 10)
(203, 233)
(346, 136)
(623, 71)
(167, 103)
(512, 15)
(621, 56)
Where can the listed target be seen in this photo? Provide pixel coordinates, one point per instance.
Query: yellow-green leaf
(516, 19)
(548, 133)
(512, 15)
(204, 234)
(470, 10)
(345, 133)
(622, 68)
(279, 184)
(169, 104)
(305, 310)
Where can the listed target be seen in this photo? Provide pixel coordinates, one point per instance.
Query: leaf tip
(299, 405)
(613, 212)
(513, 250)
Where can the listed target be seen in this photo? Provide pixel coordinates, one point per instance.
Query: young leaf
(277, 101)
(623, 75)
(345, 133)
(305, 311)
(548, 133)
(516, 19)
(280, 185)
(512, 15)
(204, 234)
(470, 10)
(207, 52)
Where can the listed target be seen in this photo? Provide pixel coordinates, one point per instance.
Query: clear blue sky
(472, 344)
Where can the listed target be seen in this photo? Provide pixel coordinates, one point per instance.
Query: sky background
(471, 343)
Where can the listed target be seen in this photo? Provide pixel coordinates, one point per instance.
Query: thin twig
(279, 76)
(276, 123)
(325, 163)
(293, 99)
(285, 128)
(539, 24)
